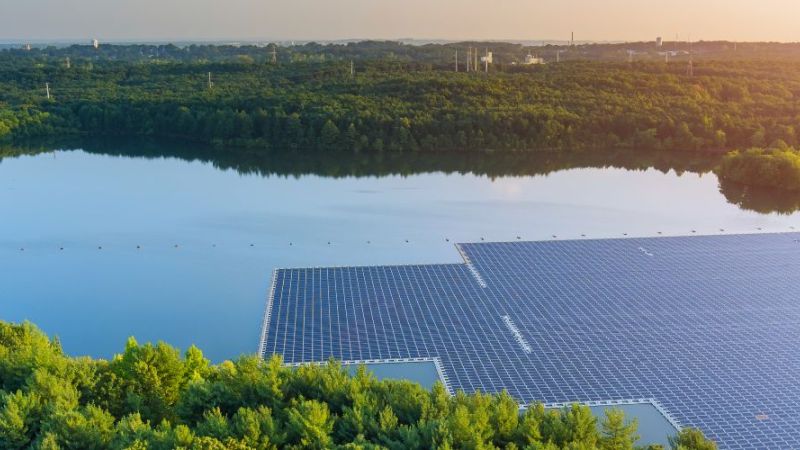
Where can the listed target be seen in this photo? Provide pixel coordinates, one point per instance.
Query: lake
(101, 241)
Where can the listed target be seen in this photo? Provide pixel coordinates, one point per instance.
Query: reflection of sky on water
(231, 230)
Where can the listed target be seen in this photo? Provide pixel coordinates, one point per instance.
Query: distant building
(488, 58)
(95, 43)
(530, 60)
(659, 42)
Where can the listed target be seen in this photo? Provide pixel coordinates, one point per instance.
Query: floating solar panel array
(707, 327)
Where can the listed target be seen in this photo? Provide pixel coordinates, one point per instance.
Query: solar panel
(706, 326)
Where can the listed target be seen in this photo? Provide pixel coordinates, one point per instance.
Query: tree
(254, 404)
(691, 439)
(20, 420)
(582, 425)
(504, 418)
(152, 377)
(329, 135)
(529, 431)
(310, 424)
(616, 433)
(87, 428)
(256, 428)
(215, 425)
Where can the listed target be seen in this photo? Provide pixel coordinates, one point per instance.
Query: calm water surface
(97, 247)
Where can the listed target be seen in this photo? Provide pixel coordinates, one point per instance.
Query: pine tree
(504, 418)
(691, 439)
(329, 136)
(310, 424)
(617, 434)
(582, 425)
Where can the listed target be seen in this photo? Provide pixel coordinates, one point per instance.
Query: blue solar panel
(707, 326)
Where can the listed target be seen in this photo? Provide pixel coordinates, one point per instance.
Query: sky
(595, 20)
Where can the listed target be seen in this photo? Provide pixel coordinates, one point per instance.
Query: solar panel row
(706, 326)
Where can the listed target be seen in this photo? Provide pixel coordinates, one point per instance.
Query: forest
(154, 397)
(402, 105)
(776, 167)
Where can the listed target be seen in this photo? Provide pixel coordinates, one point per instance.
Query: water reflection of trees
(491, 164)
(759, 199)
(354, 164)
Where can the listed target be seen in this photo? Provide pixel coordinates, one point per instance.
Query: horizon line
(255, 40)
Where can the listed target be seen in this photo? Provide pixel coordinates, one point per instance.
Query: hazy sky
(445, 19)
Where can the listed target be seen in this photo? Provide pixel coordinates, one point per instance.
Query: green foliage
(777, 167)
(691, 439)
(616, 433)
(309, 424)
(152, 397)
(395, 103)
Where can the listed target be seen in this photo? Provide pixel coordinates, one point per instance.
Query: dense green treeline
(152, 397)
(399, 106)
(771, 168)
